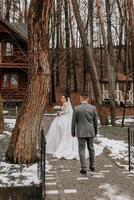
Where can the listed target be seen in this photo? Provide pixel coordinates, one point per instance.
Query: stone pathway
(109, 182)
(64, 182)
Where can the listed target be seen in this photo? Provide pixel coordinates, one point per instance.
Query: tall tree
(8, 4)
(53, 57)
(131, 23)
(1, 7)
(90, 19)
(110, 68)
(73, 52)
(67, 43)
(1, 115)
(25, 10)
(119, 57)
(58, 42)
(23, 143)
(90, 61)
(88, 29)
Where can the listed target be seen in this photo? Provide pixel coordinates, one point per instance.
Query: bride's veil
(70, 109)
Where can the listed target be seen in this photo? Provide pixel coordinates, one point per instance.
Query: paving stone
(90, 186)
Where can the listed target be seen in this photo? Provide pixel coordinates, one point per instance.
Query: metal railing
(42, 163)
(131, 147)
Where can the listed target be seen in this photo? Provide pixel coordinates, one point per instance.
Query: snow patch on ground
(19, 175)
(7, 133)
(2, 136)
(16, 175)
(118, 149)
(111, 192)
(10, 122)
(126, 121)
(98, 149)
(5, 111)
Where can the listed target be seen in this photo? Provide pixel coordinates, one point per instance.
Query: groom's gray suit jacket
(84, 121)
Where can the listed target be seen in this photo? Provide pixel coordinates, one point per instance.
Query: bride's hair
(66, 96)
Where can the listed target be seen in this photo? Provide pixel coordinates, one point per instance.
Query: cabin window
(5, 81)
(10, 81)
(14, 80)
(106, 87)
(128, 86)
(9, 49)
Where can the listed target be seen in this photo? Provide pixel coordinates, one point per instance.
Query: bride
(60, 142)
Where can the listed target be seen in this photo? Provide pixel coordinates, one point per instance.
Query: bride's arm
(64, 110)
(57, 108)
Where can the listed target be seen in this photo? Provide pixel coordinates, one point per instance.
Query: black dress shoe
(92, 169)
(83, 171)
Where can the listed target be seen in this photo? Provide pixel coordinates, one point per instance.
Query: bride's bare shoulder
(65, 104)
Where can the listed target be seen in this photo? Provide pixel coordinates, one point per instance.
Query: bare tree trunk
(91, 62)
(74, 68)
(119, 57)
(90, 13)
(89, 26)
(53, 56)
(74, 52)
(14, 5)
(1, 116)
(53, 95)
(1, 8)
(85, 66)
(23, 143)
(110, 68)
(67, 43)
(131, 23)
(21, 17)
(58, 45)
(25, 10)
(8, 8)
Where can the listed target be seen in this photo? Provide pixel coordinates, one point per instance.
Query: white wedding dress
(60, 142)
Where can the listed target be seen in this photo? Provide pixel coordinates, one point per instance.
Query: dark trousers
(82, 146)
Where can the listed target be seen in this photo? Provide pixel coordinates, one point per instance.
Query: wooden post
(117, 93)
(103, 91)
(117, 86)
(0, 52)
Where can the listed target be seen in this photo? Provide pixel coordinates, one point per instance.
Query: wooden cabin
(123, 91)
(13, 61)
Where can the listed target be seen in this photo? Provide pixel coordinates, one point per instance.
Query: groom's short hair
(84, 95)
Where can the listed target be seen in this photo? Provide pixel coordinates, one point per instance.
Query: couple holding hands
(72, 132)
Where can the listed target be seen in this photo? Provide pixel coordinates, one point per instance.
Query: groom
(85, 126)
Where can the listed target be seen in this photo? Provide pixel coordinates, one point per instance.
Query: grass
(116, 133)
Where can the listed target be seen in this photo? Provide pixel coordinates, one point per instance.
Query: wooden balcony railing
(119, 96)
(16, 57)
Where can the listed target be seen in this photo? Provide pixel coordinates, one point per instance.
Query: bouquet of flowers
(57, 108)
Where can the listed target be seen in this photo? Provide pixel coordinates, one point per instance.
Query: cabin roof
(123, 77)
(120, 77)
(19, 28)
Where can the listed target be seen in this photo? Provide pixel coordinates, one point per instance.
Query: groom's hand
(58, 113)
(73, 134)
